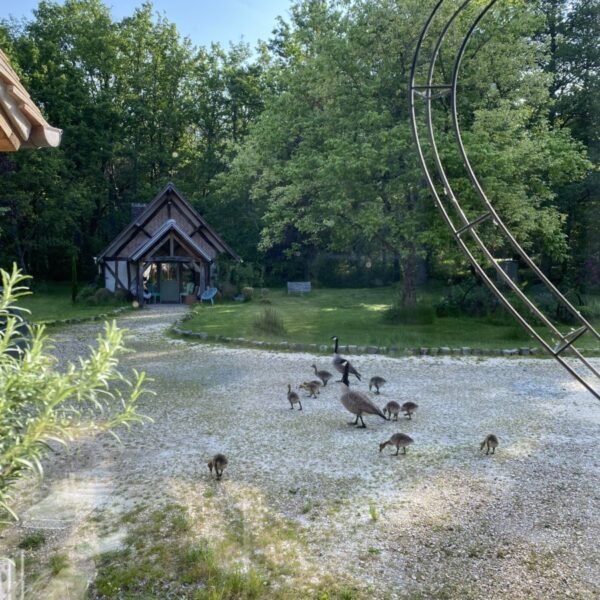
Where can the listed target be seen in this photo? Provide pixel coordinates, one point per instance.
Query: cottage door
(169, 282)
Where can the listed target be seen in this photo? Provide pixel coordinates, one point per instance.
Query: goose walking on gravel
(490, 442)
(400, 440)
(293, 398)
(408, 408)
(218, 462)
(391, 408)
(339, 361)
(324, 376)
(312, 387)
(376, 382)
(357, 403)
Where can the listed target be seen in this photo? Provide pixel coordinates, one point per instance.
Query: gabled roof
(158, 237)
(169, 191)
(21, 122)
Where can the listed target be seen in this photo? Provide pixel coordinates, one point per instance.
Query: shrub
(475, 300)
(228, 290)
(103, 296)
(248, 292)
(40, 404)
(86, 293)
(410, 315)
(122, 295)
(269, 321)
(264, 296)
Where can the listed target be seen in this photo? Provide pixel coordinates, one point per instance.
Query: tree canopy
(302, 146)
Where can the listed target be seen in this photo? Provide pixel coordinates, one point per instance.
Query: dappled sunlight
(375, 307)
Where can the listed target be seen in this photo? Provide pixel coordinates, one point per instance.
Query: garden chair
(187, 290)
(154, 293)
(208, 294)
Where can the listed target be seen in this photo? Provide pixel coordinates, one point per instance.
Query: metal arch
(429, 92)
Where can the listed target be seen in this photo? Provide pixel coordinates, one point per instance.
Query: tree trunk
(409, 279)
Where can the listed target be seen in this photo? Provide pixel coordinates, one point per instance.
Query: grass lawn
(53, 302)
(356, 316)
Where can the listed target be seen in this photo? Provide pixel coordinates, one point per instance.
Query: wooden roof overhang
(160, 236)
(21, 122)
(202, 227)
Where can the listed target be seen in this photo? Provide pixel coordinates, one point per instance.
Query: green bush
(410, 315)
(228, 290)
(40, 404)
(122, 295)
(104, 296)
(86, 293)
(472, 300)
(270, 322)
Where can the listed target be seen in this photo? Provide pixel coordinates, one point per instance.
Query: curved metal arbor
(465, 227)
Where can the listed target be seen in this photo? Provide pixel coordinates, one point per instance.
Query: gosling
(293, 398)
(376, 382)
(312, 387)
(400, 440)
(218, 462)
(490, 441)
(391, 408)
(324, 376)
(408, 408)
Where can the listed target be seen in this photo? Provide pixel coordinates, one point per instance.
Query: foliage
(32, 541)
(330, 160)
(269, 321)
(302, 151)
(40, 405)
(468, 298)
(356, 316)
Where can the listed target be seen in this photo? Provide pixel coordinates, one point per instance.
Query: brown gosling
(376, 382)
(408, 408)
(324, 376)
(400, 440)
(312, 387)
(391, 408)
(490, 441)
(357, 403)
(293, 398)
(218, 462)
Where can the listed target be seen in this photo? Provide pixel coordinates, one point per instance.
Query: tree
(40, 405)
(331, 157)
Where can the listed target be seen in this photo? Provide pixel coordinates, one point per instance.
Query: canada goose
(355, 402)
(312, 387)
(376, 382)
(408, 408)
(490, 441)
(400, 440)
(218, 462)
(338, 361)
(324, 376)
(293, 398)
(391, 408)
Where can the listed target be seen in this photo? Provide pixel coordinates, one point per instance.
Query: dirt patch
(444, 521)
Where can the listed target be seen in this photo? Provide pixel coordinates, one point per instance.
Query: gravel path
(444, 521)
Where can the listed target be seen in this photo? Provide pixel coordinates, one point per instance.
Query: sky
(203, 21)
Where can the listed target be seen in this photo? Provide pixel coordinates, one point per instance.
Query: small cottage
(167, 253)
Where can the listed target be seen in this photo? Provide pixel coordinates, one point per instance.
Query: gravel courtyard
(444, 521)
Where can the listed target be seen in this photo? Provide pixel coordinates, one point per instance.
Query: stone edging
(352, 349)
(112, 313)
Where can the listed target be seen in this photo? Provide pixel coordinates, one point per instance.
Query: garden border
(55, 322)
(352, 349)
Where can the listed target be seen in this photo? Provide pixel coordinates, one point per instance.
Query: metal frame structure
(462, 225)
